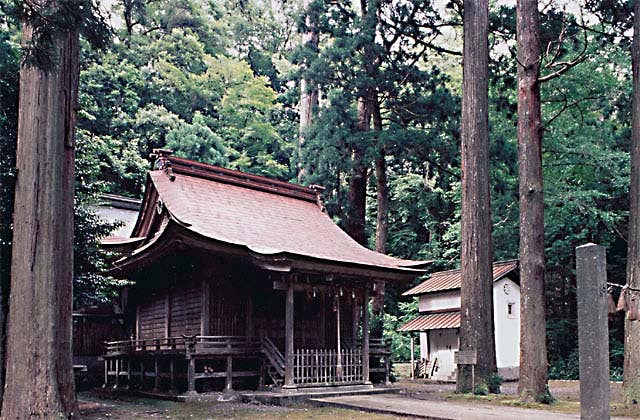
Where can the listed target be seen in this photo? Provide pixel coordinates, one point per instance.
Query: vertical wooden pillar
(172, 375)
(323, 319)
(117, 373)
(106, 372)
(138, 322)
(339, 344)
(191, 375)
(142, 373)
(413, 363)
(356, 320)
(204, 307)
(249, 329)
(167, 315)
(288, 325)
(156, 385)
(129, 373)
(228, 386)
(365, 336)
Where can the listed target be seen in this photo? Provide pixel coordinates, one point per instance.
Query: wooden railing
(322, 367)
(276, 359)
(222, 345)
(377, 346)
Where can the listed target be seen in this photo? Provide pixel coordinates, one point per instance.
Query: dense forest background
(219, 82)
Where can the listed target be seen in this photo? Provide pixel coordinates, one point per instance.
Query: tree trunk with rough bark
(382, 201)
(308, 89)
(476, 318)
(631, 384)
(39, 378)
(356, 221)
(533, 343)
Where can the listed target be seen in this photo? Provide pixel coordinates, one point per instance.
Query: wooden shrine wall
(152, 318)
(171, 313)
(185, 307)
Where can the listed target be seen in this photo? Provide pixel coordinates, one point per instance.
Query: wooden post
(142, 373)
(191, 375)
(117, 373)
(128, 373)
(593, 331)
(106, 372)
(413, 363)
(288, 325)
(138, 322)
(387, 369)
(356, 319)
(249, 328)
(339, 350)
(228, 386)
(172, 375)
(156, 385)
(262, 374)
(365, 336)
(167, 316)
(323, 319)
(204, 307)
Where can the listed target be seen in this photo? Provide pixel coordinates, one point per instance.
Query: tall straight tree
(533, 344)
(476, 318)
(39, 377)
(356, 218)
(308, 88)
(631, 384)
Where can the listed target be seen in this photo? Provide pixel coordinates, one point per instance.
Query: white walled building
(438, 324)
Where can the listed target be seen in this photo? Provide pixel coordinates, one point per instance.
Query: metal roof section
(434, 321)
(452, 279)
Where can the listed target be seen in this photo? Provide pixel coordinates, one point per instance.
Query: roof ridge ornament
(319, 189)
(161, 161)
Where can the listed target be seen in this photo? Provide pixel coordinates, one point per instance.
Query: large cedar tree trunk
(533, 343)
(476, 320)
(308, 89)
(356, 222)
(631, 385)
(39, 355)
(382, 201)
(357, 196)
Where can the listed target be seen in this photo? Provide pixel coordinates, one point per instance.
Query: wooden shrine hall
(243, 280)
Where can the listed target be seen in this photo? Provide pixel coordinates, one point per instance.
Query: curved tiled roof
(266, 216)
(452, 279)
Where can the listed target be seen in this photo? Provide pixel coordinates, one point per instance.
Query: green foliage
(400, 342)
(49, 20)
(9, 82)
(197, 141)
(494, 383)
(481, 389)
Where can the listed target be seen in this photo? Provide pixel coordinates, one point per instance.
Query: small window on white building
(511, 310)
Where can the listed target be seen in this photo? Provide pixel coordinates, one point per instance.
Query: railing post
(106, 372)
(117, 372)
(365, 336)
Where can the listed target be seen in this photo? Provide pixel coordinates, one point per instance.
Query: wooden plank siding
(171, 314)
(185, 310)
(152, 318)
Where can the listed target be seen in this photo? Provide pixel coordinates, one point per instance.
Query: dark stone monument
(593, 331)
